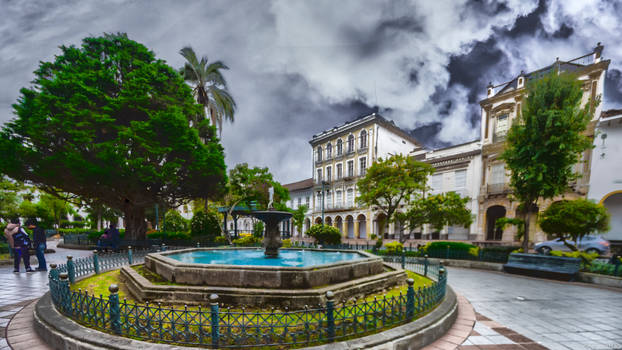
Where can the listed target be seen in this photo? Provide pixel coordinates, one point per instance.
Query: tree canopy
(393, 182)
(109, 121)
(546, 141)
(573, 219)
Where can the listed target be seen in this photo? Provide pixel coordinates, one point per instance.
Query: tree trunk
(135, 224)
(526, 233)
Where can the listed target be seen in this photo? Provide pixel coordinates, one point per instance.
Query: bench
(543, 265)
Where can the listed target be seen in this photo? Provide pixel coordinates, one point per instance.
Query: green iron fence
(225, 327)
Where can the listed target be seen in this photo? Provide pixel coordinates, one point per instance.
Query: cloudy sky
(298, 67)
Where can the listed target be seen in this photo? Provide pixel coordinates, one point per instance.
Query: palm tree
(210, 87)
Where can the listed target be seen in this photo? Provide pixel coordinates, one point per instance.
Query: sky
(298, 67)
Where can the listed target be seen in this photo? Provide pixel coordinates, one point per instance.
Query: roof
(610, 113)
(300, 185)
(389, 124)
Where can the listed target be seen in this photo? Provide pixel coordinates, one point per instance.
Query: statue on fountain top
(271, 198)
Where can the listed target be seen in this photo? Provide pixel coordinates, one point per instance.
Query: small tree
(258, 227)
(393, 182)
(298, 216)
(174, 222)
(440, 210)
(546, 141)
(573, 219)
(325, 234)
(205, 224)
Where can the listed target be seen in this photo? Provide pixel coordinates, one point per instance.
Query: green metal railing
(215, 326)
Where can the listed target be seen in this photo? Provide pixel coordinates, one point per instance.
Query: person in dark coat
(110, 238)
(21, 244)
(39, 243)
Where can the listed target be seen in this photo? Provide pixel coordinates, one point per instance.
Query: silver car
(589, 244)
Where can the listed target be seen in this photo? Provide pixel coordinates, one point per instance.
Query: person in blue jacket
(38, 236)
(21, 244)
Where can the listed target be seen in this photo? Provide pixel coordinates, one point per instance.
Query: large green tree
(209, 87)
(393, 182)
(9, 198)
(573, 219)
(546, 141)
(109, 121)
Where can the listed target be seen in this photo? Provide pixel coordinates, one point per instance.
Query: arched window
(329, 151)
(339, 147)
(350, 143)
(363, 138)
(319, 153)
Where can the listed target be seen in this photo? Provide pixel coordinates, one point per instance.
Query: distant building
(500, 109)
(300, 193)
(341, 156)
(606, 170)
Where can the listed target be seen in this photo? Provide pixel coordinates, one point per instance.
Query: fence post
(53, 272)
(65, 292)
(403, 259)
(198, 244)
(96, 262)
(410, 299)
(130, 255)
(330, 315)
(479, 254)
(71, 269)
(425, 265)
(214, 319)
(163, 247)
(115, 312)
(447, 253)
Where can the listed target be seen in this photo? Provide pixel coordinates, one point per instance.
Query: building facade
(500, 109)
(606, 170)
(341, 156)
(300, 193)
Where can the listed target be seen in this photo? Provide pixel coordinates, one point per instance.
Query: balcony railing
(497, 188)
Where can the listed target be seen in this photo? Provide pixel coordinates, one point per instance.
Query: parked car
(589, 244)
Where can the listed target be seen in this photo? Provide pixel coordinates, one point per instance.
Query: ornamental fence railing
(219, 327)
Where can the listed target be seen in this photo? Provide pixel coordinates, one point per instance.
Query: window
(502, 125)
(349, 197)
(363, 166)
(329, 151)
(437, 183)
(328, 173)
(307, 202)
(363, 139)
(319, 153)
(339, 171)
(319, 175)
(339, 147)
(299, 201)
(329, 199)
(318, 201)
(497, 174)
(338, 199)
(350, 143)
(460, 179)
(350, 168)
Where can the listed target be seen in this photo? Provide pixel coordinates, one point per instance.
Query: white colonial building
(606, 170)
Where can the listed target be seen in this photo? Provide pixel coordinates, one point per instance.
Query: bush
(247, 241)
(221, 240)
(4, 248)
(394, 248)
(168, 235)
(74, 231)
(204, 224)
(586, 258)
(378, 244)
(324, 234)
(457, 250)
(258, 229)
(287, 243)
(174, 222)
(72, 224)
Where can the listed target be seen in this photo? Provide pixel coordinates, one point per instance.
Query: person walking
(38, 236)
(21, 244)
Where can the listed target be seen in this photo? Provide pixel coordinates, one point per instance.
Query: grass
(6, 256)
(98, 284)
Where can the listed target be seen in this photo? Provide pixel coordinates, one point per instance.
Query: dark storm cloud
(301, 67)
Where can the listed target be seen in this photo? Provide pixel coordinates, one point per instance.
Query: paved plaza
(558, 315)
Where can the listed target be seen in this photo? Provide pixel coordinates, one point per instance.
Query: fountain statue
(271, 218)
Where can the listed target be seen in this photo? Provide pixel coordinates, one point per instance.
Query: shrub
(221, 240)
(247, 241)
(204, 224)
(174, 222)
(378, 244)
(324, 234)
(287, 243)
(4, 248)
(258, 229)
(586, 258)
(72, 224)
(168, 235)
(394, 248)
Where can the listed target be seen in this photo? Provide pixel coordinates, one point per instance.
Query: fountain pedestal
(272, 240)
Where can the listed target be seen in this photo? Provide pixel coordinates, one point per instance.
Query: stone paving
(19, 289)
(557, 315)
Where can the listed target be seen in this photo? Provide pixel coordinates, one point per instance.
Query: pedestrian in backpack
(38, 236)
(21, 244)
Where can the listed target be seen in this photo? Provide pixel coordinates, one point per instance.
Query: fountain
(271, 218)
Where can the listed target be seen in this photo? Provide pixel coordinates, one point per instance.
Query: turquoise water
(255, 257)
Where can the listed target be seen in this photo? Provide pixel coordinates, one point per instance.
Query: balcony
(497, 188)
(319, 162)
(350, 151)
(363, 149)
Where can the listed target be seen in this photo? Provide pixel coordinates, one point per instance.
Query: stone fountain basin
(273, 277)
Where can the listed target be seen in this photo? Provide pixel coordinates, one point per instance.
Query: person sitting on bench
(110, 238)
